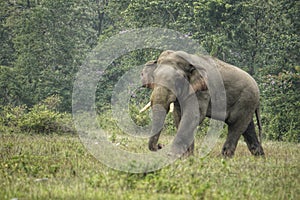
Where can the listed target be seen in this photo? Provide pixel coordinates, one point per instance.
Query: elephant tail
(257, 113)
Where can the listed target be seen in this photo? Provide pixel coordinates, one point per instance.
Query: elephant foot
(156, 147)
(228, 152)
(181, 152)
(160, 146)
(257, 150)
(188, 153)
(181, 156)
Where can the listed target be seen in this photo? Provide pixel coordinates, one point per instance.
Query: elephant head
(147, 72)
(174, 78)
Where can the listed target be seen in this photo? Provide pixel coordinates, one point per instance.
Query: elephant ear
(147, 74)
(198, 79)
(164, 55)
(196, 74)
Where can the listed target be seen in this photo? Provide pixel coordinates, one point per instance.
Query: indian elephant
(167, 75)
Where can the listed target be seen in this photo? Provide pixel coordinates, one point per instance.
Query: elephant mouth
(146, 84)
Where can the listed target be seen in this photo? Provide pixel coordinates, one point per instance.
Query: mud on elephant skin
(176, 75)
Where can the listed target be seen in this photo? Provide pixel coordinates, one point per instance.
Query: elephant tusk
(171, 107)
(146, 107)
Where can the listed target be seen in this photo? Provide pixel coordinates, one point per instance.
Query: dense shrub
(41, 118)
(281, 102)
(10, 117)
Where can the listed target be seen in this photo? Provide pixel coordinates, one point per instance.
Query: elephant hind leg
(235, 131)
(252, 141)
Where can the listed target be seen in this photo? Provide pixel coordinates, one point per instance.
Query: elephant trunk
(160, 106)
(190, 117)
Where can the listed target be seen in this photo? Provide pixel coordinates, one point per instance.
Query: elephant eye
(192, 68)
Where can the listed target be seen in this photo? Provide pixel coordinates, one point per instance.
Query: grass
(59, 167)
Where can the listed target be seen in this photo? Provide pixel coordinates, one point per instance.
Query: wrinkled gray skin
(167, 77)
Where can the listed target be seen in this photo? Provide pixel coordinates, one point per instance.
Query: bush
(41, 118)
(10, 117)
(281, 102)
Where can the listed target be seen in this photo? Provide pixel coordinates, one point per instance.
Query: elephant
(179, 78)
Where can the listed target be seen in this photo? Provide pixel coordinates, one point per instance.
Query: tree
(51, 39)
(7, 49)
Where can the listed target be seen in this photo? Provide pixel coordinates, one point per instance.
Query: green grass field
(59, 167)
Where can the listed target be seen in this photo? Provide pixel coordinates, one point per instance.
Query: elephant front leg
(153, 143)
(190, 150)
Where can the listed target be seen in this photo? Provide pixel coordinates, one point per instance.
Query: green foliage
(109, 124)
(140, 119)
(10, 117)
(44, 42)
(281, 118)
(9, 86)
(41, 118)
(50, 39)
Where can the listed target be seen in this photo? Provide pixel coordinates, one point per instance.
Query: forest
(43, 44)
(46, 43)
